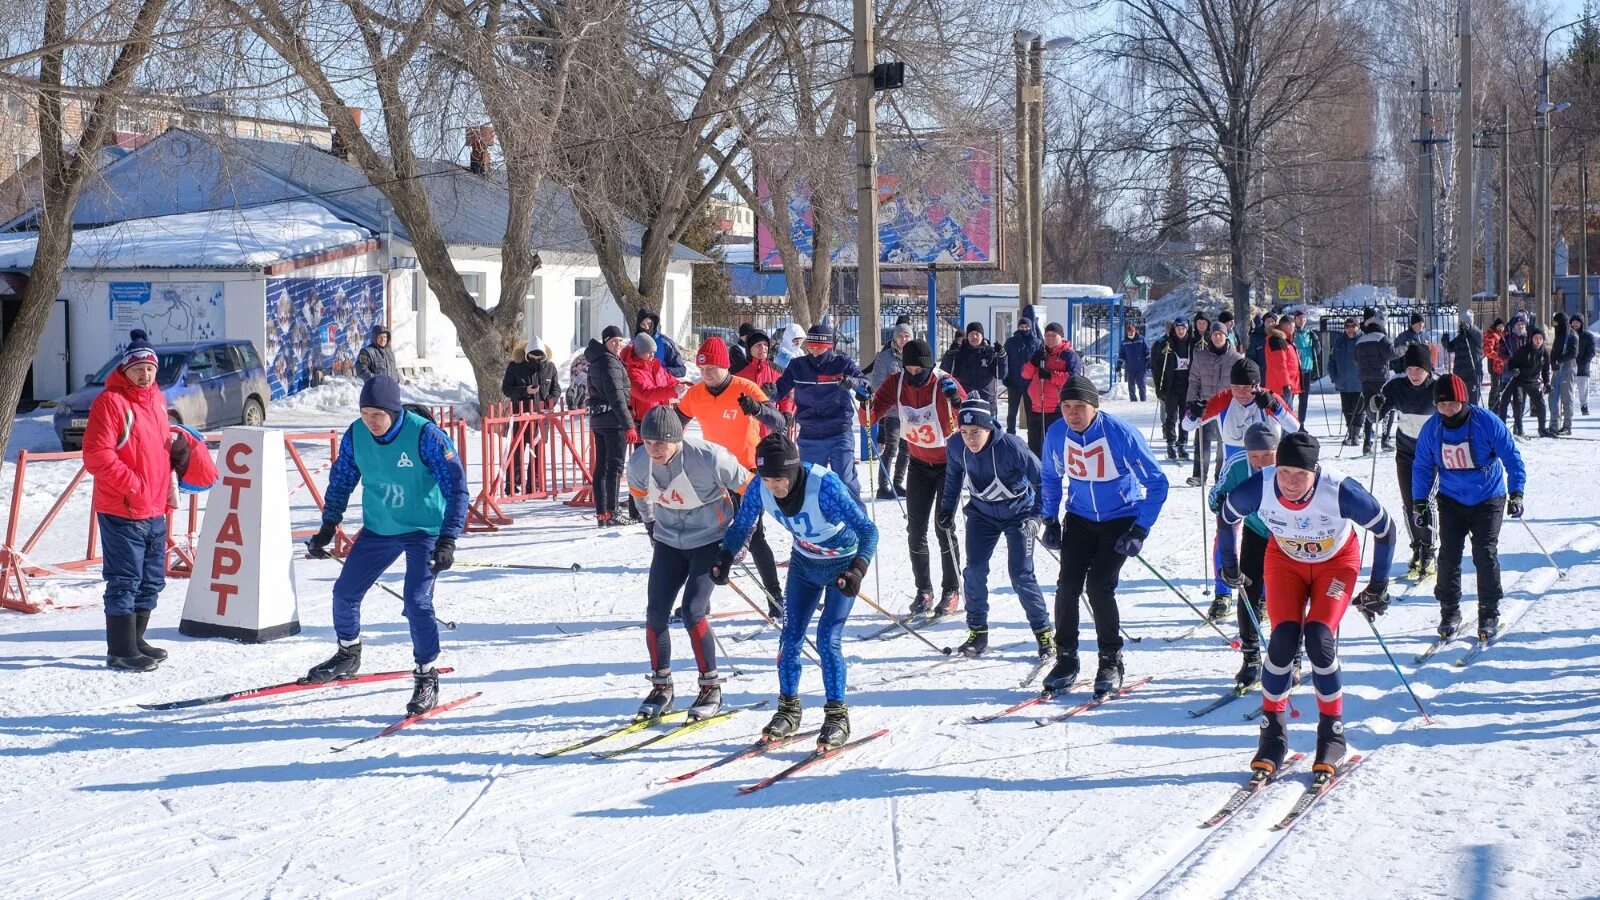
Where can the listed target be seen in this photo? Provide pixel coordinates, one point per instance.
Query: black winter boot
(425, 692)
(1108, 678)
(122, 646)
(976, 644)
(835, 731)
(1249, 671)
(922, 603)
(1064, 674)
(1449, 620)
(142, 619)
(784, 722)
(1047, 642)
(1330, 744)
(708, 702)
(342, 664)
(658, 702)
(949, 603)
(1273, 745)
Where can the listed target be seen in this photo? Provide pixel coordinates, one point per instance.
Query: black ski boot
(1192, 481)
(922, 604)
(1047, 642)
(425, 694)
(1449, 620)
(659, 701)
(122, 646)
(835, 731)
(886, 492)
(949, 603)
(142, 620)
(1108, 678)
(1273, 745)
(976, 644)
(342, 664)
(1220, 607)
(1330, 744)
(1425, 563)
(708, 702)
(1387, 445)
(1065, 672)
(784, 722)
(1183, 453)
(1172, 452)
(1249, 671)
(1488, 628)
(775, 604)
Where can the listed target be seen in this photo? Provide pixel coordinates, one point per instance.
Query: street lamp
(1030, 47)
(1541, 133)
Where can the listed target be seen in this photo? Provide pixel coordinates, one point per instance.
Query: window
(247, 354)
(203, 364)
(16, 107)
(227, 361)
(582, 323)
(473, 282)
(132, 121)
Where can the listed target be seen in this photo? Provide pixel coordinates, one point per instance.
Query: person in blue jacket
(834, 542)
(1134, 362)
(1346, 377)
(1476, 460)
(413, 501)
(999, 473)
(1114, 489)
(824, 383)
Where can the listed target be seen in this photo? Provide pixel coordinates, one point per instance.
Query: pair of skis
(637, 725)
(1321, 784)
(897, 628)
(1047, 696)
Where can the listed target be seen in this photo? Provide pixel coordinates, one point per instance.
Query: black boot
(949, 603)
(1108, 678)
(1449, 620)
(835, 731)
(784, 722)
(1220, 607)
(923, 603)
(658, 702)
(122, 646)
(142, 620)
(976, 644)
(1273, 744)
(1425, 563)
(1249, 670)
(425, 693)
(775, 604)
(1330, 744)
(342, 664)
(1488, 627)
(1064, 674)
(708, 702)
(1183, 452)
(1047, 642)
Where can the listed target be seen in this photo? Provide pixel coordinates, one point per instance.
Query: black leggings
(1204, 437)
(610, 453)
(1252, 563)
(761, 555)
(1090, 561)
(1171, 412)
(924, 484)
(1421, 538)
(1038, 424)
(1350, 407)
(673, 570)
(1513, 396)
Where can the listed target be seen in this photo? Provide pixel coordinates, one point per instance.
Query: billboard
(938, 207)
(171, 312)
(316, 326)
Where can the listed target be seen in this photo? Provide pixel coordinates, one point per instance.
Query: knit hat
(902, 320)
(382, 392)
(139, 350)
(609, 332)
(644, 345)
(974, 326)
(745, 328)
(777, 457)
(916, 353)
(1056, 327)
(713, 353)
(1417, 319)
(1225, 316)
(662, 424)
(975, 412)
(1245, 371)
(1450, 389)
(1298, 450)
(1369, 312)
(1417, 355)
(820, 333)
(1079, 387)
(905, 329)
(1261, 436)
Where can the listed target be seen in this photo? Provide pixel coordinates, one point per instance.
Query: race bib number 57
(1091, 462)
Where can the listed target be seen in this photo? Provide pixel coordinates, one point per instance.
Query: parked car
(208, 384)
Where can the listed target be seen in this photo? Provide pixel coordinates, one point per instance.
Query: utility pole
(1425, 141)
(1024, 261)
(1036, 167)
(1464, 150)
(1504, 287)
(1541, 247)
(869, 321)
(1583, 234)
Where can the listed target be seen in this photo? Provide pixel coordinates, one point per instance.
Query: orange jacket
(721, 420)
(125, 448)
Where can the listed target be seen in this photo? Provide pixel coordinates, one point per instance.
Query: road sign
(1289, 287)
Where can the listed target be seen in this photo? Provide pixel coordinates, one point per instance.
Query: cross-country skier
(1311, 568)
(1410, 399)
(1114, 490)
(833, 545)
(999, 473)
(684, 489)
(1373, 352)
(924, 400)
(1473, 455)
(1260, 450)
(413, 501)
(823, 382)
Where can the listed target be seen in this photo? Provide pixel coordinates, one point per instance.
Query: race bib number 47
(1091, 462)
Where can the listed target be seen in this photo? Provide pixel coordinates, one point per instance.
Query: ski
(688, 727)
(1258, 782)
(1254, 714)
(288, 687)
(1191, 632)
(1035, 671)
(1321, 784)
(908, 619)
(918, 625)
(757, 748)
(619, 731)
(1439, 643)
(1031, 701)
(1232, 695)
(409, 721)
(674, 620)
(811, 759)
(1091, 703)
(741, 638)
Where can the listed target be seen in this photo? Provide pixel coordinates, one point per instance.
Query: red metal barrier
(529, 453)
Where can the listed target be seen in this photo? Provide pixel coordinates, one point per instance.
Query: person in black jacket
(1020, 347)
(1528, 376)
(1564, 372)
(1410, 399)
(978, 365)
(532, 384)
(1585, 361)
(1373, 353)
(1169, 363)
(738, 356)
(610, 419)
(1134, 361)
(1466, 351)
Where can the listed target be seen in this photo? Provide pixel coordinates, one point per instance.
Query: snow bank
(1183, 302)
(1363, 295)
(343, 395)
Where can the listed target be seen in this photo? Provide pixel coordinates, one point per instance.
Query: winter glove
(1267, 402)
(849, 583)
(1051, 536)
(1232, 577)
(945, 520)
(1031, 528)
(951, 391)
(1132, 541)
(721, 567)
(1421, 515)
(317, 547)
(1514, 507)
(1196, 409)
(1376, 404)
(632, 437)
(443, 555)
(178, 453)
(650, 530)
(749, 406)
(1373, 601)
(1038, 360)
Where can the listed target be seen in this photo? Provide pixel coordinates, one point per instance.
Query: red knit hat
(713, 353)
(1450, 389)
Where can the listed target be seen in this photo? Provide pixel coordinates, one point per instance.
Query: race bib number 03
(1091, 462)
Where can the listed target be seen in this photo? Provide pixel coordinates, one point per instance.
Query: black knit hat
(609, 332)
(1417, 355)
(1056, 327)
(1417, 319)
(916, 353)
(757, 336)
(1245, 371)
(1299, 450)
(777, 457)
(1079, 387)
(974, 326)
(1450, 389)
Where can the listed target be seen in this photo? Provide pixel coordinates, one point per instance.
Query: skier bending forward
(1311, 566)
(833, 546)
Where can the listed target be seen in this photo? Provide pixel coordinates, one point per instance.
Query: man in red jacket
(126, 447)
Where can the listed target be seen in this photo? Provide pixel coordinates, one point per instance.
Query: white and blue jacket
(1112, 473)
(999, 479)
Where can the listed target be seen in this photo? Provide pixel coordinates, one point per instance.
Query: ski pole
(733, 669)
(872, 476)
(1232, 642)
(532, 567)
(1381, 643)
(1205, 531)
(1250, 610)
(909, 630)
(396, 594)
(1125, 635)
(776, 601)
(1560, 573)
(763, 614)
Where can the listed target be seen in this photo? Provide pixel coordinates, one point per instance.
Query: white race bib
(920, 426)
(1457, 456)
(1091, 462)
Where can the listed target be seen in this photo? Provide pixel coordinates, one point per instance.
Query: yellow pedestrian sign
(1288, 287)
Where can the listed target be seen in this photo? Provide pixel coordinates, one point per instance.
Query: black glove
(721, 567)
(1421, 515)
(945, 520)
(1232, 577)
(749, 405)
(443, 555)
(1051, 537)
(1038, 360)
(1373, 601)
(1267, 401)
(1132, 541)
(850, 581)
(1196, 409)
(178, 453)
(317, 547)
(1376, 404)
(650, 530)
(1514, 507)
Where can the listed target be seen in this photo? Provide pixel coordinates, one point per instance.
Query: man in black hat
(1373, 352)
(1020, 347)
(978, 365)
(1170, 366)
(1410, 401)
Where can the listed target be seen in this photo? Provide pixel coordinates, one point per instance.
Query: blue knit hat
(820, 333)
(382, 392)
(139, 350)
(975, 412)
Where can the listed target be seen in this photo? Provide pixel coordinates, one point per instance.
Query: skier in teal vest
(413, 501)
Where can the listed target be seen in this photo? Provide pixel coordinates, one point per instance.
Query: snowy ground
(1498, 798)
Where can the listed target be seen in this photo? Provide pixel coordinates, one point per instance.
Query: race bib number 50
(1091, 462)
(1457, 456)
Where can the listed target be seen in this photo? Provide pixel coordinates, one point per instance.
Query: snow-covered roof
(1046, 291)
(219, 239)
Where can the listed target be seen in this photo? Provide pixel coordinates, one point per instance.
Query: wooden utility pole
(1425, 255)
(1464, 151)
(1036, 167)
(1023, 264)
(1505, 212)
(870, 322)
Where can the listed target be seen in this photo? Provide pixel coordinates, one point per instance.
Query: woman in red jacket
(652, 385)
(127, 448)
(1283, 362)
(758, 367)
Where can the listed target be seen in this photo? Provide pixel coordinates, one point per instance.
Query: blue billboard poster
(316, 326)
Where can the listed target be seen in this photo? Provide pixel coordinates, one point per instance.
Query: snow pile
(1183, 302)
(35, 433)
(1357, 295)
(342, 394)
(219, 239)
